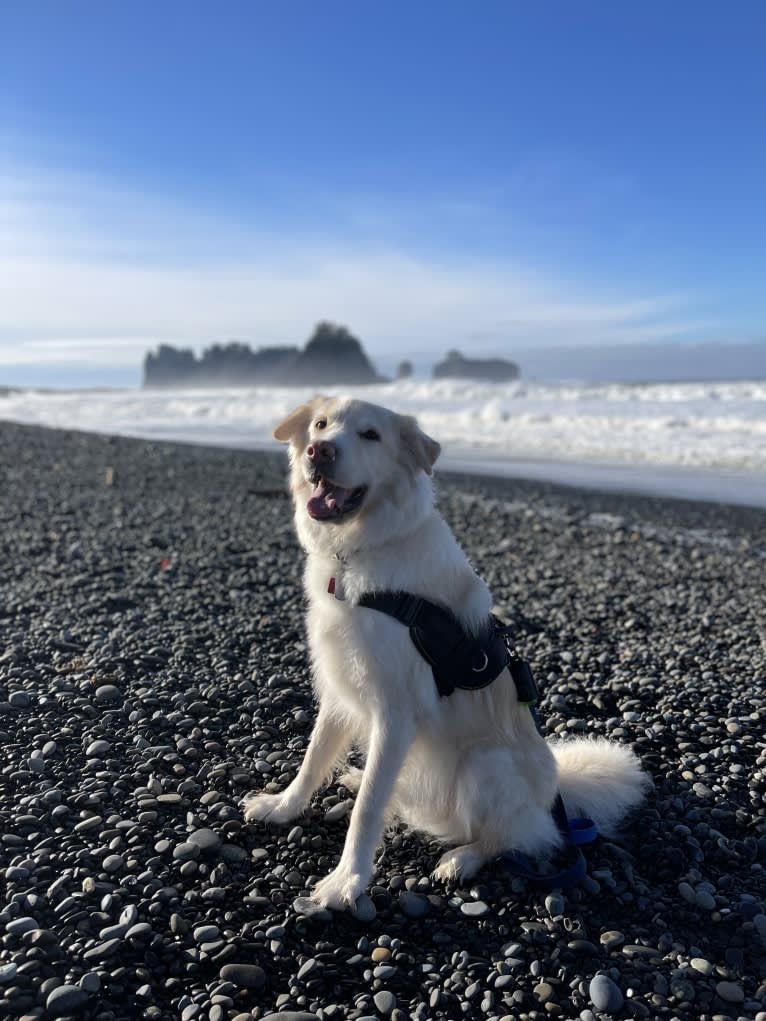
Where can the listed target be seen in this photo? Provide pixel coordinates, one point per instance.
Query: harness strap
(457, 659)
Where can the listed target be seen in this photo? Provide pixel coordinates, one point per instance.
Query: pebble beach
(153, 670)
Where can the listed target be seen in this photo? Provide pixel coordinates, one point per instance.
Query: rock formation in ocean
(488, 370)
(331, 355)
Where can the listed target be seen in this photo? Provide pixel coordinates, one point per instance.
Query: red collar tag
(331, 587)
(335, 588)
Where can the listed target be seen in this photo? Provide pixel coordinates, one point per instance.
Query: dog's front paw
(340, 890)
(274, 808)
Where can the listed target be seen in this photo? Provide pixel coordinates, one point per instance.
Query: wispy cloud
(92, 272)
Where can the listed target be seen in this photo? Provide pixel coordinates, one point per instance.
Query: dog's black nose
(321, 452)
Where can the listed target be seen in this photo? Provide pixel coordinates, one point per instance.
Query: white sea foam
(713, 427)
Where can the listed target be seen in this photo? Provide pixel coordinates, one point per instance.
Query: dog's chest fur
(365, 661)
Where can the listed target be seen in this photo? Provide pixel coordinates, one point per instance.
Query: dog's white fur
(469, 769)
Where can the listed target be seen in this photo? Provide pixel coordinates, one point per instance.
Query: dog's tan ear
(296, 422)
(419, 450)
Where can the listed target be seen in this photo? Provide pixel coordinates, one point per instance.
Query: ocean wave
(704, 425)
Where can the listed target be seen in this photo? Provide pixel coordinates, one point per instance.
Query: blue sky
(494, 177)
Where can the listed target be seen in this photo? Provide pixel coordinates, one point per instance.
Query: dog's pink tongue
(327, 500)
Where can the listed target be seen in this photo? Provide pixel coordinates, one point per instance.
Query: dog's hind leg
(329, 741)
(501, 803)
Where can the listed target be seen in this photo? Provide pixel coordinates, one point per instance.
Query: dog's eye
(320, 423)
(370, 434)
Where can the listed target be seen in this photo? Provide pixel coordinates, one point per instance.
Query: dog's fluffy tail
(600, 780)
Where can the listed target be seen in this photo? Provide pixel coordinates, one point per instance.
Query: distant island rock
(488, 370)
(331, 355)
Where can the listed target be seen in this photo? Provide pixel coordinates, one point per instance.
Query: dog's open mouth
(329, 502)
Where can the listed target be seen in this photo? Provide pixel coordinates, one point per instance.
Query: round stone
(705, 900)
(474, 908)
(246, 976)
(604, 994)
(338, 811)
(364, 910)
(288, 1015)
(385, 1001)
(703, 966)
(113, 863)
(90, 982)
(307, 968)
(688, 893)
(19, 926)
(730, 992)
(207, 840)
(612, 940)
(414, 905)
(8, 973)
(544, 991)
(310, 909)
(108, 693)
(97, 748)
(65, 1000)
(186, 851)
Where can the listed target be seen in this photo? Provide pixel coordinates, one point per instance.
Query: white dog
(470, 768)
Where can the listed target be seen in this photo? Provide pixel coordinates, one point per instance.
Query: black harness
(458, 659)
(470, 662)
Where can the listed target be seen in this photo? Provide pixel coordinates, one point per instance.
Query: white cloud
(94, 274)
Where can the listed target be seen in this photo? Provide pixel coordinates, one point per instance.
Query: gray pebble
(307, 968)
(97, 748)
(544, 992)
(474, 908)
(90, 982)
(108, 693)
(385, 1001)
(19, 926)
(206, 840)
(703, 966)
(364, 910)
(246, 976)
(731, 992)
(688, 893)
(338, 811)
(612, 940)
(291, 1015)
(705, 900)
(310, 909)
(186, 851)
(65, 1000)
(604, 994)
(8, 973)
(414, 905)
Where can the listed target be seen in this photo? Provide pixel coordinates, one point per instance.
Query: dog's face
(355, 466)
